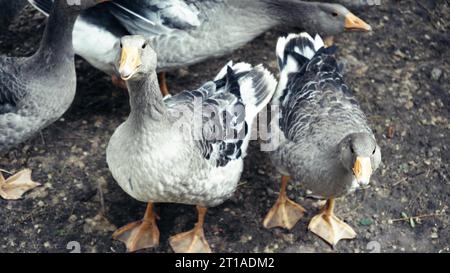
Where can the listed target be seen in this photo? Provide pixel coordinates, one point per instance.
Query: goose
(35, 91)
(204, 133)
(321, 140)
(186, 32)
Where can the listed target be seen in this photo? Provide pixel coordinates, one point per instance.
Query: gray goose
(186, 32)
(35, 91)
(204, 133)
(323, 140)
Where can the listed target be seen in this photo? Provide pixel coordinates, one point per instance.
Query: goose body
(186, 149)
(322, 139)
(318, 112)
(28, 103)
(146, 175)
(36, 91)
(185, 32)
(201, 172)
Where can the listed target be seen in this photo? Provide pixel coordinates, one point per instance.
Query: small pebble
(436, 74)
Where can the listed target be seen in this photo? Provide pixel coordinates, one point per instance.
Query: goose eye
(334, 14)
(144, 45)
(351, 149)
(374, 150)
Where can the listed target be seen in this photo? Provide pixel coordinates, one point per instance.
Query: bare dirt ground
(399, 73)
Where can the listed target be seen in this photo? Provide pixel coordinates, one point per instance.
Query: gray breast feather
(12, 90)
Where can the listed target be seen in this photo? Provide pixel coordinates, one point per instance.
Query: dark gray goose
(203, 133)
(322, 139)
(186, 32)
(35, 91)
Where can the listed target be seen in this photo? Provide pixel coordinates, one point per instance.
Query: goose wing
(154, 17)
(228, 107)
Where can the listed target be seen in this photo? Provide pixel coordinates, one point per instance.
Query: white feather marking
(247, 92)
(35, 5)
(318, 42)
(282, 42)
(252, 106)
(95, 45)
(291, 67)
(134, 14)
(307, 51)
(242, 67)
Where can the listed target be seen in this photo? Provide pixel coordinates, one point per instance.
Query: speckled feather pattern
(37, 90)
(163, 167)
(30, 99)
(206, 38)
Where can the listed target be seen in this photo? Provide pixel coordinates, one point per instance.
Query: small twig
(399, 182)
(417, 217)
(42, 137)
(242, 184)
(102, 200)
(426, 9)
(416, 198)
(5, 171)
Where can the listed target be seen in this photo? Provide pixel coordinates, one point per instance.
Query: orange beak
(362, 170)
(129, 63)
(352, 22)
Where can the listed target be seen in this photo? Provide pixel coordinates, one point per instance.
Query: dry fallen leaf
(15, 186)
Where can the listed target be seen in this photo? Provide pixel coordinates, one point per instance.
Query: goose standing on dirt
(35, 91)
(325, 142)
(203, 133)
(186, 32)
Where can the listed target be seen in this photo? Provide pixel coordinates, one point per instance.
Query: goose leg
(193, 241)
(163, 84)
(330, 228)
(141, 234)
(285, 213)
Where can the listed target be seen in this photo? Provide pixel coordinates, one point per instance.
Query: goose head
(324, 18)
(360, 155)
(137, 59)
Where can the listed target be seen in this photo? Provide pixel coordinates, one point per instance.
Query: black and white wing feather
(228, 108)
(312, 93)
